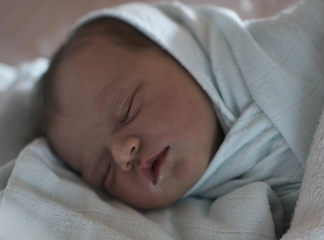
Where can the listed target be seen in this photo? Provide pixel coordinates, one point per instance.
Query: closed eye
(107, 173)
(128, 111)
(132, 109)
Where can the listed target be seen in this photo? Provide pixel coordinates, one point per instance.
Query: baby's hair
(116, 32)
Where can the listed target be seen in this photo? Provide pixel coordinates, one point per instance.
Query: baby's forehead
(116, 43)
(117, 31)
(104, 32)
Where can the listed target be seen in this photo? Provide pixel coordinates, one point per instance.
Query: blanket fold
(45, 200)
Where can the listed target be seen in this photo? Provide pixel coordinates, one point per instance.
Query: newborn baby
(226, 104)
(127, 116)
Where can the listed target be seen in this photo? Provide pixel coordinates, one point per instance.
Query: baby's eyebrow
(104, 104)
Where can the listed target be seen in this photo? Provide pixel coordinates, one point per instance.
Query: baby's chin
(149, 202)
(150, 205)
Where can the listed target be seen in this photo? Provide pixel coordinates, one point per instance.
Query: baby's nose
(124, 152)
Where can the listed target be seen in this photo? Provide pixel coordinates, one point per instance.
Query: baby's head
(127, 116)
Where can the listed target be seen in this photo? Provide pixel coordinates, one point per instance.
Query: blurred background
(34, 28)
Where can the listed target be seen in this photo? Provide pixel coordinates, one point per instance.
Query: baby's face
(135, 124)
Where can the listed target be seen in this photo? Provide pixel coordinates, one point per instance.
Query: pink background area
(34, 28)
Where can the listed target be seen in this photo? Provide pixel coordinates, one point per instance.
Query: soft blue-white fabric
(265, 79)
(16, 100)
(44, 199)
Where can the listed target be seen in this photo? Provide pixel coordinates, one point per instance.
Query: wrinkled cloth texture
(45, 200)
(266, 81)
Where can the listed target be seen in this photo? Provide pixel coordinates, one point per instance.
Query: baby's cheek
(131, 190)
(189, 168)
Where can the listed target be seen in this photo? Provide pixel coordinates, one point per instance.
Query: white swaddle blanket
(265, 79)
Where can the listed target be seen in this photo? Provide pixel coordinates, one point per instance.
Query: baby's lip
(151, 168)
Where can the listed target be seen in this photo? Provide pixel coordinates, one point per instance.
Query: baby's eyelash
(106, 174)
(127, 113)
(130, 113)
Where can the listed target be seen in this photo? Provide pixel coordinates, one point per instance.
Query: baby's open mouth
(151, 168)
